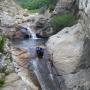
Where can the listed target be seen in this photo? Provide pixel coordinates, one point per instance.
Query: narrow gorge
(60, 29)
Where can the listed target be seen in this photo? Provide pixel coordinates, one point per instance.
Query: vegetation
(2, 42)
(61, 21)
(2, 82)
(34, 11)
(35, 5)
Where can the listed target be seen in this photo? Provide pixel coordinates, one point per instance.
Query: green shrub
(61, 21)
(51, 7)
(37, 4)
(33, 4)
(2, 42)
(2, 82)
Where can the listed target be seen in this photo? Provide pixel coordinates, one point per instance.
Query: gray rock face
(66, 47)
(70, 49)
(19, 33)
(62, 6)
(6, 19)
(13, 82)
(84, 6)
(43, 28)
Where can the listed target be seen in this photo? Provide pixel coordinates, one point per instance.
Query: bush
(61, 21)
(2, 82)
(2, 42)
(33, 4)
(37, 4)
(51, 7)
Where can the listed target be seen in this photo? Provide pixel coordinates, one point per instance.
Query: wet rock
(21, 59)
(41, 36)
(18, 34)
(21, 32)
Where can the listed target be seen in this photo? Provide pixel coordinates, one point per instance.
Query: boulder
(19, 33)
(66, 48)
(70, 49)
(43, 28)
(70, 53)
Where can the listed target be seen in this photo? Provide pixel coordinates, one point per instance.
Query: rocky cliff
(70, 51)
(63, 5)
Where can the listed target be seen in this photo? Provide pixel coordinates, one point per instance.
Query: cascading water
(42, 72)
(31, 33)
(29, 30)
(40, 67)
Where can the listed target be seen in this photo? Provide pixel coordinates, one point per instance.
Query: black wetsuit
(40, 52)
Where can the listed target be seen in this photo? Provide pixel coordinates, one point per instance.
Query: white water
(31, 33)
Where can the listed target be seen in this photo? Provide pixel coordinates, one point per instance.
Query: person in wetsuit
(39, 52)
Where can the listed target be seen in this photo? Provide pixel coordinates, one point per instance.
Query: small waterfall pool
(30, 43)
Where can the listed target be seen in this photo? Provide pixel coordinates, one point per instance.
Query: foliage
(34, 11)
(35, 5)
(2, 82)
(2, 42)
(51, 7)
(61, 21)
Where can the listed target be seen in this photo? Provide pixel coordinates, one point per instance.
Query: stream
(41, 67)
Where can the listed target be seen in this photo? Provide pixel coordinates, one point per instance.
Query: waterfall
(31, 33)
(41, 70)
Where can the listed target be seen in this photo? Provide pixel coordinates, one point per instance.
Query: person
(39, 52)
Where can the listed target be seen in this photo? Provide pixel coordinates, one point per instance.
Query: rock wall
(70, 49)
(62, 6)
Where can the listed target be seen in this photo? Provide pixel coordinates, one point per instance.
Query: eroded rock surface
(14, 82)
(70, 51)
(62, 6)
(66, 48)
(21, 60)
